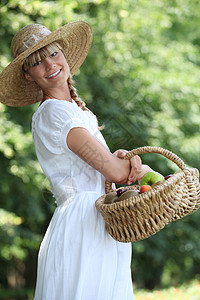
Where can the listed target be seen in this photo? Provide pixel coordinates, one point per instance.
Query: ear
(28, 76)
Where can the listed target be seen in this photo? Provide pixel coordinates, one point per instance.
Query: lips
(54, 74)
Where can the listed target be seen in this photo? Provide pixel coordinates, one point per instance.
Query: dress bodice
(66, 172)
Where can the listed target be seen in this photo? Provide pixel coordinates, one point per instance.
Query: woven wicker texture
(141, 216)
(75, 39)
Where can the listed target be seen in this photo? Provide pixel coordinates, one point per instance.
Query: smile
(54, 74)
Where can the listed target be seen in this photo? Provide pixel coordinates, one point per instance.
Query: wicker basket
(141, 216)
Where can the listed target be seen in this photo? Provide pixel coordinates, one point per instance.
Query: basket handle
(150, 149)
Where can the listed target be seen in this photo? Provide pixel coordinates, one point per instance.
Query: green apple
(151, 177)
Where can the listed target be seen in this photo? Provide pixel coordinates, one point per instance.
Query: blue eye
(37, 63)
(54, 54)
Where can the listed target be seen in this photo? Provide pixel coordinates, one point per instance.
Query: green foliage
(173, 255)
(141, 78)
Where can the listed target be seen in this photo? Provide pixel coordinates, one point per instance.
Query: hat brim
(75, 39)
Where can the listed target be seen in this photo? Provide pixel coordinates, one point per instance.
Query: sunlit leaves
(141, 78)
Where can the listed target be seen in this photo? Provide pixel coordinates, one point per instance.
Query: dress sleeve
(55, 121)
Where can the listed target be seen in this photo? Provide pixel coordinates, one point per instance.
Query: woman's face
(51, 72)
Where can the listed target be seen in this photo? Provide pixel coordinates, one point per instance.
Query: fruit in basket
(127, 194)
(120, 191)
(151, 177)
(110, 198)
(144, 188)
(157, 183)
(168, 176)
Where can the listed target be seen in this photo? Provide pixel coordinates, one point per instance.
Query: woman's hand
(136, 169)
(135, 165)
(120, 153)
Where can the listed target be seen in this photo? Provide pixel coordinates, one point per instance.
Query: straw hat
(75, 38)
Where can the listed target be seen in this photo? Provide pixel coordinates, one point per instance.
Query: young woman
(78, 259)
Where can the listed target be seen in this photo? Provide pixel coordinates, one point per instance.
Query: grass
(189, 291)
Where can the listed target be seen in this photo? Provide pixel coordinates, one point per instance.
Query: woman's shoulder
(52, 103)
(53, 107)
(54, 113)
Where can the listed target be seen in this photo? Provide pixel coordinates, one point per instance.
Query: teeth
(54, 74)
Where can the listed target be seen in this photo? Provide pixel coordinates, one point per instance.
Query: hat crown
(27, 37)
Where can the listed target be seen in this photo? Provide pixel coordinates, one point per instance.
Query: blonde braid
(77, 99)
(74, 95)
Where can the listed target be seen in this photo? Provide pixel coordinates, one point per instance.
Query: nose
(48, 62)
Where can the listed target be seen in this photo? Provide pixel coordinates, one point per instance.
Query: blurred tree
(141, 78)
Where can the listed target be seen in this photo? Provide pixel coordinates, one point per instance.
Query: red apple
(120, 191)
(168, 176)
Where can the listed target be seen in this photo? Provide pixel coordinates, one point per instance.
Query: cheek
(36, 73)
(66, 64)
(67, 67)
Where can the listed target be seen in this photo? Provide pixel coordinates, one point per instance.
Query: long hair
(78, 100)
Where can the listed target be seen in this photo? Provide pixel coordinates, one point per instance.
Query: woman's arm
(115, 169)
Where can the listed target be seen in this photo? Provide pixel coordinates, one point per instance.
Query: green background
(142, 80)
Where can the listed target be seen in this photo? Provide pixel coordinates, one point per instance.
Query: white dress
(78, 259)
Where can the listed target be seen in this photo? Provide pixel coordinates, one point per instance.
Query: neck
(60, 94)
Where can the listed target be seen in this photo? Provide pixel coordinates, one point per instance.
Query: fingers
(120, 153)
(138, 163)
(136, 167)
